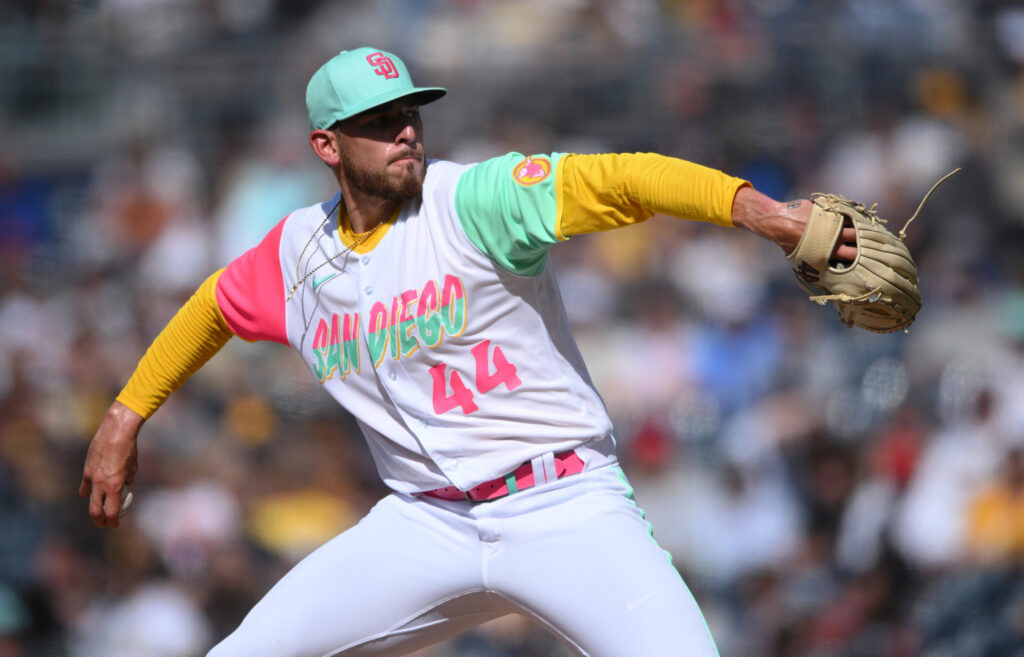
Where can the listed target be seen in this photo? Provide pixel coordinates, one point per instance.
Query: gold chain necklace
(352, 247)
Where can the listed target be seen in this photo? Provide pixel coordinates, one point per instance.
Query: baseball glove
(878, 290)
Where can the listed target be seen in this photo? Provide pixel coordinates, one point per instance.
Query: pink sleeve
(251, 294)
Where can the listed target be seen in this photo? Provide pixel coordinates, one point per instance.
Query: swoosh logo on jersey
(317, 282)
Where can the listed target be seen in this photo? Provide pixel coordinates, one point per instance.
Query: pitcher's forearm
(782, 223)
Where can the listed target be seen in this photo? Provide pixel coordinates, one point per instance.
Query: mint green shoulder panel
(509, 210)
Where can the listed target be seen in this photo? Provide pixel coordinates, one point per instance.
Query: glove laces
(903, 231)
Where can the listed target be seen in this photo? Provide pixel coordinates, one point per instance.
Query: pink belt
(566, 463)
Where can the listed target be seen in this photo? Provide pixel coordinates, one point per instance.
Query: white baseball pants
(575, 555)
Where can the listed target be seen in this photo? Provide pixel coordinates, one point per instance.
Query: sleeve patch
(531, 170)
(508, 207)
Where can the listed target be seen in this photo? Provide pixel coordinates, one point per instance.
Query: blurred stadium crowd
(823, 491)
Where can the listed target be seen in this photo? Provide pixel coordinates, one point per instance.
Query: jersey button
(366, 260)
(392, 375)
(368, 289)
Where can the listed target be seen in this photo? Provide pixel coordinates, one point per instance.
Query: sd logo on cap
(354, 81)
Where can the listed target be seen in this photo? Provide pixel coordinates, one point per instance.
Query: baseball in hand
(126, 500)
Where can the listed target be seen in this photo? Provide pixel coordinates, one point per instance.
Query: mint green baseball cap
(354, 81)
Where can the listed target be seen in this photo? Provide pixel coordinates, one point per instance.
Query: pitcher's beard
(398, 188)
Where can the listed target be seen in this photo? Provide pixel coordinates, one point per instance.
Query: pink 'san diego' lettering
(413, 318)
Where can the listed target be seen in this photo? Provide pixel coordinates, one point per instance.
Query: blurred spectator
(995, 516)
(185, 525)
(14, 620)
(264, 180)
(157, 620)
(930, 525)
(866, 525)
(25, 221)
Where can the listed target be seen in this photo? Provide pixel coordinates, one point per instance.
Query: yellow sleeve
(192, 337)
(600, 192)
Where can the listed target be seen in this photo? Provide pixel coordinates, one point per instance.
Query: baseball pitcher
(422, 298)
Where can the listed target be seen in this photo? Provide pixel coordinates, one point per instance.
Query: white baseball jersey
(447, 341)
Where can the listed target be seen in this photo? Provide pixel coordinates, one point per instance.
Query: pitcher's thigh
(388, 584)
(602, 583)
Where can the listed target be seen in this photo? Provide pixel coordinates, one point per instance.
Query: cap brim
(422, 96)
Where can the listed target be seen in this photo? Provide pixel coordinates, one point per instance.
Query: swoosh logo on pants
(633, 604)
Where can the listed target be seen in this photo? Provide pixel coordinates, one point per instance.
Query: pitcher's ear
(325, 145)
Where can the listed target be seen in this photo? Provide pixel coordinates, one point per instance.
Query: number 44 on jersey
(488, 376)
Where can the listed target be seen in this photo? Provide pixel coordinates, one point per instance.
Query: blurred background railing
(823, 491)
